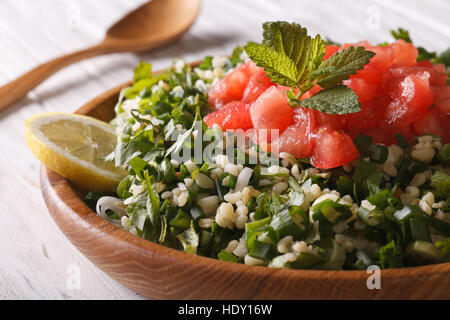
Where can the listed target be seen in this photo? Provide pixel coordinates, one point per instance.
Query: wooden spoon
(150, 26)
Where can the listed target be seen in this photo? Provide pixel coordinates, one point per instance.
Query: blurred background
(36, 261)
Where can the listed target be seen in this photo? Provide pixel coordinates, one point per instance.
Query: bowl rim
(53, 185)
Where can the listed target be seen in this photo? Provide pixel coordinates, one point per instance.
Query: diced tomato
(332, 148)
(305, 115)
(371, 113)
(296, 138)
(370, 73)
(363, 89)
(257, 84)
(249, 68)
(334, 121)
(434, 123)
(411, 100)
(330, 50)
(440, 92)
(234, 115)
(444, 106)
(438, 75)
(384, 56)
(386, 135)
(442, 98)
(398, 192)
(271, 111)
(231, 88)
(373, 105)
(405, 53)
(395, 91)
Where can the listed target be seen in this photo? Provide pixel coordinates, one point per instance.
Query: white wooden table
(36, 260)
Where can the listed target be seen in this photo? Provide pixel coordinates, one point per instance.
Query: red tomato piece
(249, 68)
(444, 106)
(370, 73)
(434, 123)
(411, 100)
(332, 148)
(405, 53)
(257, 84)
(334, 121)
(234, 115)
(386, 135)
(384, 56)
(271, 111)
(441, 92)
(371, 113)
(230, 88)
(438, 75)
(296, 138)
(363, 89)
(330, 50)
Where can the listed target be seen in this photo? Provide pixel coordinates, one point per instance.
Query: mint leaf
(279, 67)
(341, 65)
(291, 39)
(291, 58)
(336, 100)
(287, 38)
(316, 53)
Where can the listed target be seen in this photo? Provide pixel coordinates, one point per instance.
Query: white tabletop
(36, 260)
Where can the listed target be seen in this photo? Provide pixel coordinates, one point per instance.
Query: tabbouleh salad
(351, 186)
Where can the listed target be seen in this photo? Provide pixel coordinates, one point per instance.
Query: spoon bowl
(151, 25)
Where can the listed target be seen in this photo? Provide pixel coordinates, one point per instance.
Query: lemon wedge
(74, 146)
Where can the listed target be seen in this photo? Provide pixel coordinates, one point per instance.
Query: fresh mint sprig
(290, 57)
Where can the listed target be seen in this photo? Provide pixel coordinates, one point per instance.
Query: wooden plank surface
(36, 260)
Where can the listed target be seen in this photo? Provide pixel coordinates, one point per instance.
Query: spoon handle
(18, 88)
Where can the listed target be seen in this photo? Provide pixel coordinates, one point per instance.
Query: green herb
(422, 252)
(377, 153)
(189, 239)
(390, 256)
(444, 154)
(444, 247)
(206, 63)
(440, 181)
(401, 34)
(401, 141)
(236, 55)
(226, 256)
(292, 58)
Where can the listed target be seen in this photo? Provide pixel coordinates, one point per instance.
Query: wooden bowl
(158, 272)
